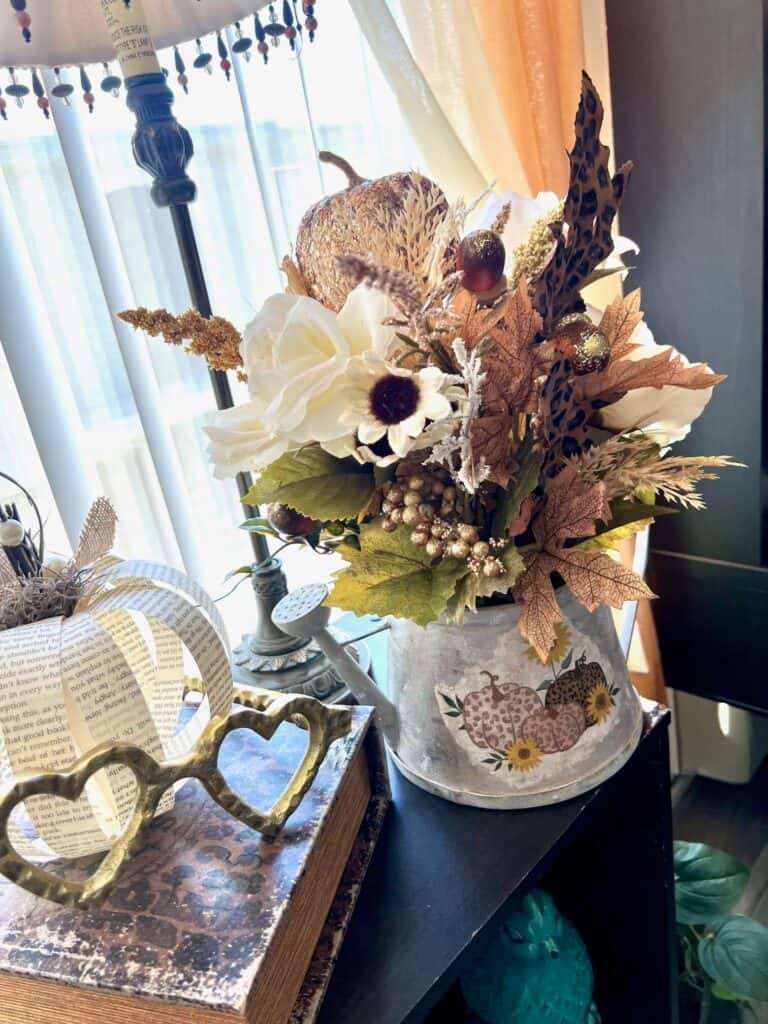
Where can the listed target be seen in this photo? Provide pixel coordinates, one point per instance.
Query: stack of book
(211, 921)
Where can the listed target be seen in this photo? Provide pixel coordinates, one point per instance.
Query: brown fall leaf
(515, 361)
(619, 321)
(595, 578)
(540, 611)
(490, 444)
(570, 510)
(665, 368)
(522, 520)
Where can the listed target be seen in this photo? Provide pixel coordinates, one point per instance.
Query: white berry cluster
(427, 504)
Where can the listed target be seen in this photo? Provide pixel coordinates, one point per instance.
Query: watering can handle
(361, 685)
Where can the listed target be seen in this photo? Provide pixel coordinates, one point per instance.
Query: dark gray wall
(688, 100)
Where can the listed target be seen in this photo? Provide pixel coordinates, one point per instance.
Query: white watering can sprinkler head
(303, 613)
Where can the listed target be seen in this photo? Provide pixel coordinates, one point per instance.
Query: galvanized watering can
(472, 714)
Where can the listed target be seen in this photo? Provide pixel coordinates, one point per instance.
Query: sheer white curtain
(81, 234)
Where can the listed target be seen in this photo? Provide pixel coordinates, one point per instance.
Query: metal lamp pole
(163, 147)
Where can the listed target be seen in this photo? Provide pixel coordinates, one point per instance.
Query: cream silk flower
(296, 354)
(665, 413)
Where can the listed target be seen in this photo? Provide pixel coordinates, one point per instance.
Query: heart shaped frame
(264, 711)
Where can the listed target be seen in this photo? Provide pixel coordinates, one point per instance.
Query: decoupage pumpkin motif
(519, 725)
(493, 714)
(585, 684)
(554, 728)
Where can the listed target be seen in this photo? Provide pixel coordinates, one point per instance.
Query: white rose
(665, 413)
(296, 353)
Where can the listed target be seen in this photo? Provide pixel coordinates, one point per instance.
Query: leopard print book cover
(194, 912)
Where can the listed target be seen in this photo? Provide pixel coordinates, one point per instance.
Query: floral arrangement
(445, 406)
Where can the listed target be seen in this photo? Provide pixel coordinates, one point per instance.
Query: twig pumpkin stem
(343, 165)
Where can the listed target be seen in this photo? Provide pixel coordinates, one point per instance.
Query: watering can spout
(303, 613)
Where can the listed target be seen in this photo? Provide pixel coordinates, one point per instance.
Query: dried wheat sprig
(397, 284)
(627, 465)
(216, 339)
(501, 219)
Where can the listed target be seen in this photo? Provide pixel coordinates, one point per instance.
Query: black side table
(442, 874)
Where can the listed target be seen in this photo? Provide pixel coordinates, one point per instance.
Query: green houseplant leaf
(315, 483)
(708, 882)
(734, 953)
(391, 576)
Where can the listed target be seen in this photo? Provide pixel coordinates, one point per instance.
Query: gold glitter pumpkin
(354, 221)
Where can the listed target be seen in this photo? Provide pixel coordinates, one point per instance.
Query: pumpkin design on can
(555, 728)
(494, 714)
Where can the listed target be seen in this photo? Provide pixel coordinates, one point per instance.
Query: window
(256, 172)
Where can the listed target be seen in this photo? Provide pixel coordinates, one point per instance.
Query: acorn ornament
(583, 343)
(480, 258)
(291, 523)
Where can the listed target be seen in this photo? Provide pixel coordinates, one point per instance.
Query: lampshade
(66, 32)
(37, 34)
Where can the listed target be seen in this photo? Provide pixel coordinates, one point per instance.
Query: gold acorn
(584, 344)
(354, 221)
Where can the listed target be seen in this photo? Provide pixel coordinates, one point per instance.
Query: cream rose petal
(665, 414)
(360, 318)
(239, 440)
(257, 347)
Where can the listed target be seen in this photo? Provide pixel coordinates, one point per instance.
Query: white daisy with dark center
(390, 407)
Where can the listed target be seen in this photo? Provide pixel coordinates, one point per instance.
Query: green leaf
(599, 273)
(734, 953)
(244, 570)
(453, 714)
(723, 992)
(566, 660)
(262, 526)
(391, 576)
(708, 882)
(470, 587)
(448, 700)
(627, 517)
(645, 494)
(315, 483)
(524, 483)
(545, 685)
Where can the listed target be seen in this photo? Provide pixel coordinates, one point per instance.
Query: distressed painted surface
(196, 909)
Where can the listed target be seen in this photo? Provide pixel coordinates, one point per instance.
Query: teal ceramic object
(535, 969)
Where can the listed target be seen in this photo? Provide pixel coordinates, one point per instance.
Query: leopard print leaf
(563, 420)
(591, 206)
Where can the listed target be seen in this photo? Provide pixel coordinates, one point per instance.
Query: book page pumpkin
(113, 670)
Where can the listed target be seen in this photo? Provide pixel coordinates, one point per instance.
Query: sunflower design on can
(523, 755)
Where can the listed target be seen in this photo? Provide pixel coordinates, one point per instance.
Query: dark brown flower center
(601, 700)
(393, 399)
(524, 753)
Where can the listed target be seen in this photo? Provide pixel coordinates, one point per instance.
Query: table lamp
(37, 35)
